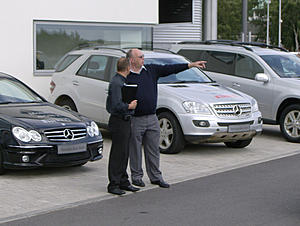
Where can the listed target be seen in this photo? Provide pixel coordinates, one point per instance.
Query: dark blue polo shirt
(147, 85)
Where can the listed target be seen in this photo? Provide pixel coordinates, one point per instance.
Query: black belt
(123, 117)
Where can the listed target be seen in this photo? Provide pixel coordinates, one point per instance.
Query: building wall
(164, 34)
(16, 25)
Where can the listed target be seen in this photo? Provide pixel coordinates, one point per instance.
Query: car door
(245, 70)
(92, 85)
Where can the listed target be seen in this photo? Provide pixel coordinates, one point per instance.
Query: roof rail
(219, 41)
(151, 49)
(260, 44)
(235, 43)
(107, 47)
(96, 47)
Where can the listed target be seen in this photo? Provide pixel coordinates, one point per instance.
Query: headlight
(195, 108)
(93, 129)
(254, 105)
(25, 136)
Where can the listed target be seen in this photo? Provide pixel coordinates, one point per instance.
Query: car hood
(204, 92)
(38, 115)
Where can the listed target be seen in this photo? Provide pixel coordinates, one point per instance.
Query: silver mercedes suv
(269, 74)
(191, 107)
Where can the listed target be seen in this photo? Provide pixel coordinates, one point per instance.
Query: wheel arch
(284, 104)
(62, 98)
(164, 109)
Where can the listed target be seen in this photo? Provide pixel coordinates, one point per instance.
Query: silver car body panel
(90, 100)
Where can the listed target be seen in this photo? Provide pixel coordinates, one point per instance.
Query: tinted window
(220, 62)
(94, 67)
(65, 62)
(191, 54)
(247, 67)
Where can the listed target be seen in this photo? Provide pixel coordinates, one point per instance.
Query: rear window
(65, 62)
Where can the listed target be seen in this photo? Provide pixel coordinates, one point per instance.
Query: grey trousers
(145, 131)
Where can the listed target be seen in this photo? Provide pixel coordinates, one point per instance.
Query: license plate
(71, 148)
(238, 128)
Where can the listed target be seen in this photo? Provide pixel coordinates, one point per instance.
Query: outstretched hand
(132, 105)
(198, 64)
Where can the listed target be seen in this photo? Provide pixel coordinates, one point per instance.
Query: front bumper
(47, 156)
(218, 130)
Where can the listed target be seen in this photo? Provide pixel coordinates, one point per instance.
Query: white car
(191, 107)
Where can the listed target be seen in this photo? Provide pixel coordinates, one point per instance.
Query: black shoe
(116, 191)
(129, 188)
(161, 184)
(138, 182)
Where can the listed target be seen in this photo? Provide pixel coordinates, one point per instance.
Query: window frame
(146, 36)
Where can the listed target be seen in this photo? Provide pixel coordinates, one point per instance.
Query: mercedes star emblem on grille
(68, 134)
(237, 110)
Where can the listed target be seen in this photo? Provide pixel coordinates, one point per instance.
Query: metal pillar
(268, 19)
(210, 19)
(279, 24)
(245, 19)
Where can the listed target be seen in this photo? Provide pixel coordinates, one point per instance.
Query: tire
(290, 123)
(2, 171)
(171, 137)
(238, 143)
(67, 104)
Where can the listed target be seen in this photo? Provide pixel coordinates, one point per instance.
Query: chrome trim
(95, 141)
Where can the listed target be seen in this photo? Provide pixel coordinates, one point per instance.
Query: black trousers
(119, 152)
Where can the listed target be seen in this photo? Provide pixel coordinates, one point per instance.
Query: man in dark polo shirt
(144, 124)
(119, 126)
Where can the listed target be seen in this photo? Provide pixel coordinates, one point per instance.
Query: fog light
(201, 123)
(25, 158)
(100, 150)
(259, 120)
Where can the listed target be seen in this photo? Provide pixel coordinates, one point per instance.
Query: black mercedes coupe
(35, 133)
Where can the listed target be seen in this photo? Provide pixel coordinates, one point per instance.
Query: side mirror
(262, 77)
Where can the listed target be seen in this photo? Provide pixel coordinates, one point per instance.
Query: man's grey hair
(129, 54)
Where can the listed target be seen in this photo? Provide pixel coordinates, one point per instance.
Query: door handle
(75, 83)
(236, 84)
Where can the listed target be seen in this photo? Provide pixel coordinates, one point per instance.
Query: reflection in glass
(54, 40)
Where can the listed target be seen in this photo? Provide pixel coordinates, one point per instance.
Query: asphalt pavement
(265, 194)
(25, 194)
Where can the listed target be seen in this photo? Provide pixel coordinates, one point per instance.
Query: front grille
(232, 110)
(66, 134)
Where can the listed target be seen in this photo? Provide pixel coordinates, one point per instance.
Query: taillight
(52, 86)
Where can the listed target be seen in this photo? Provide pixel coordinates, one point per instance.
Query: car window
(286, 66)
(94, 67)
(192, 75)
(65, 62)
(14, 92)
(247, 67)
(221, 62)
(191, 54)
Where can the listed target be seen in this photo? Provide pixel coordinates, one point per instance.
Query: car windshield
(193, 75)
(286, 66)
(12, 91)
